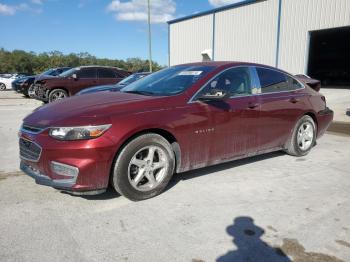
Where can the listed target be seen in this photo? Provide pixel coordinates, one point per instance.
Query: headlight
(78, 133)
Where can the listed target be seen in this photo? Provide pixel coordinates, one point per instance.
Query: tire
(134, 167)
(303, 137)
(2, 86)
(30, 92)
(57, 94)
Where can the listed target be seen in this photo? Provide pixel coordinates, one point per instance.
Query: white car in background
(7, 79)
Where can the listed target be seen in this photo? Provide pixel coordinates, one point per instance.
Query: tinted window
(105, 73)
(274, 81)
(235, 81)
(87, 73)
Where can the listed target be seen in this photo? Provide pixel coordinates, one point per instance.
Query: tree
(19, 61)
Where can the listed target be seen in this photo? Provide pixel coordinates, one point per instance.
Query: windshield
(169, 81)
(130, 79)
(48, 72)
(68, 72)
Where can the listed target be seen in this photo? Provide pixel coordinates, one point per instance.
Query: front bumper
(66, 185)
(79, 167)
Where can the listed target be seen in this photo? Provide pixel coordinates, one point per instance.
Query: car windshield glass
(48, 72)
(130, 79)
(169, 81)
(68, 72)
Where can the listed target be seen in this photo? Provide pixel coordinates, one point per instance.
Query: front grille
(29, 150)
(32, 129)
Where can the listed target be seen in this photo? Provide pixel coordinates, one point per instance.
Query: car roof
(219, 64)
(98, 66)
(222, 63)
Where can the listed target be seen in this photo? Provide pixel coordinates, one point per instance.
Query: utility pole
(149, 37)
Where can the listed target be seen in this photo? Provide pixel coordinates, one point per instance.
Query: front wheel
(303, 137)
(2, 86)
(57, 94)
(144, 167)
(31, 91)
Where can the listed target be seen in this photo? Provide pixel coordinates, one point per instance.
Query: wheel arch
(313, 116)
(159, 131)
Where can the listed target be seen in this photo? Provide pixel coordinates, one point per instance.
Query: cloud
(7, 9)
(13, 9)
(136, 10)
(218, 3)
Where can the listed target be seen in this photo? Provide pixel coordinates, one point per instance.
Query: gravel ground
(267, 208)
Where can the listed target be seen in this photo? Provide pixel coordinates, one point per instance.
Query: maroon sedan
(178, 119)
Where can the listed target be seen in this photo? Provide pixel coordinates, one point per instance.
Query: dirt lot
(267, 208)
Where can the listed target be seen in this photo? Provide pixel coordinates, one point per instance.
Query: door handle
(293, 100)
(253, 105)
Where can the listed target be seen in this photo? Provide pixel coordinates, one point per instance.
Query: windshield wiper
(145, 93)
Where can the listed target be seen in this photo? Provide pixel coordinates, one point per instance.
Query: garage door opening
(329, 57)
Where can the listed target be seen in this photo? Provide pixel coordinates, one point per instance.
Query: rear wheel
(303, 137)
(144, 167)
(2, 86)
(57, 94)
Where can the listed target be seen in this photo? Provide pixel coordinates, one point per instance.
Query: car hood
(95, 108)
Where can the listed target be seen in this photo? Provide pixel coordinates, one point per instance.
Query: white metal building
(299, 36)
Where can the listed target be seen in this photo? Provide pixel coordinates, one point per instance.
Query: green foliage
(19, 61)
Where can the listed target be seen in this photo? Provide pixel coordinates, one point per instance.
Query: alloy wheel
(148, 168)
(305, 136)
(58, 96)
(2, 86)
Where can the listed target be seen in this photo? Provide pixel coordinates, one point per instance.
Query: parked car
(25, 86)
(177, 119)
(72, 81)
(7, 79)
(126, 81)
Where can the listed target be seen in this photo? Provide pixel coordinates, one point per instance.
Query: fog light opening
(64, 170)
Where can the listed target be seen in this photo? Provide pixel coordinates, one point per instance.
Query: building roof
(215, 10)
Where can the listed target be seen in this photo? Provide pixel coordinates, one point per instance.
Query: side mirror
(214, 95)
(75, 77)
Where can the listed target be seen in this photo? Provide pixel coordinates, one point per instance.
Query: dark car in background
(69, 83)
(24, 85)
(126, 81)
(177, 119)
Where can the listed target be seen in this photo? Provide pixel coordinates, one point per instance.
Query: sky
(104, 28)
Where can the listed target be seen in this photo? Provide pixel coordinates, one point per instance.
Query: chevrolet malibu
(177, 119)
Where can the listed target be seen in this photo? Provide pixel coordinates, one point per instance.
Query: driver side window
(234, 81)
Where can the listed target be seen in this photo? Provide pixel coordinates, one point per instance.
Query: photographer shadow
(250, 247)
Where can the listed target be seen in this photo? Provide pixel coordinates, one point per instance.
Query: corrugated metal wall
(247, 33)
(189, 38)
(301, 16)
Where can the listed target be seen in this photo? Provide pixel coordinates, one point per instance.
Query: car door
(234, 121)
(106, 76)
(281, 105)
(86, 77)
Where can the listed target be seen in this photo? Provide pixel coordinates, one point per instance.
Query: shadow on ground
(249, 246)
(111, 193)
(219, 167)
